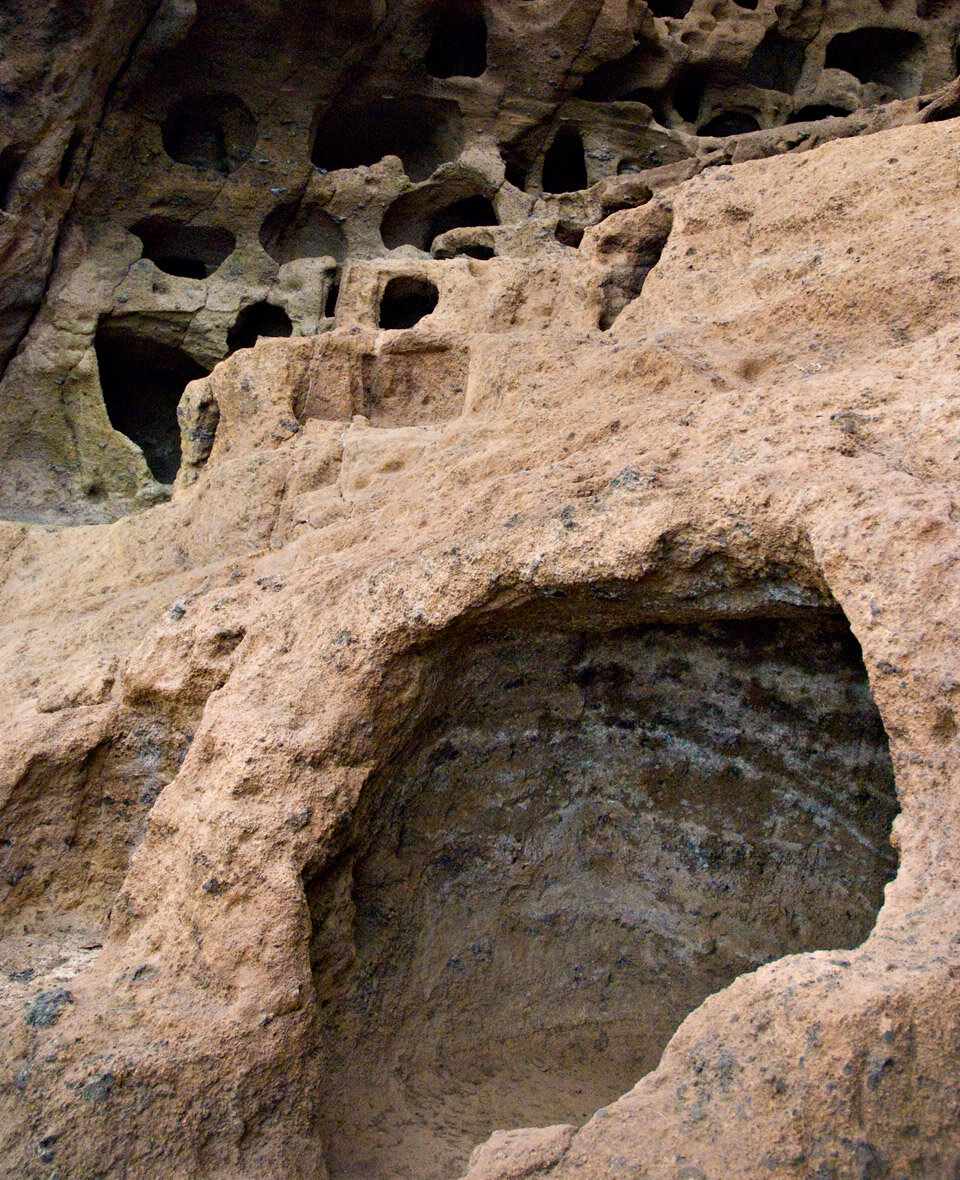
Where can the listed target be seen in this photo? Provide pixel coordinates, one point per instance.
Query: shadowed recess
(586, 833)
(11, 161)
(407, 300)
(215, 133)
(730, 123)
(816, 111)
(423, 132)
(776, 63)
(458, 47)
(892, 58)
(142, 382)
(294, 231)
(564, 165)
(189, 251)
(416, 218)
(259, 319)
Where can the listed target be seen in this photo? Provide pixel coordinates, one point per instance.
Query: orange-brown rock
(506, 727)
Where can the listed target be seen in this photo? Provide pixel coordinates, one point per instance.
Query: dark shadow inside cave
(212, 132)
(892, 58)
(189, 251)
(565, 165)
(406, 300)
(586, 832)
(142, 382)
(295, 230)
(259, 319)
(730, 123)
(776, 63)
(458, 47)
(423, 132)
(11, 161)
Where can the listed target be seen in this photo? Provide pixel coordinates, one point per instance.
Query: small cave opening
(776, 63)
(816, 111)
(464, 214)
(142, 382)
(423, 132)
(259, 319)
(750, 5)
(294, 230)
(588, 829)
(69, 158)
(891, 58)
(678, 9)
(11, 161)
(417, 218)
(569, 233)
(333, 296)
(688, 97)
(730, 123)
(406, 300)
(516, 168)
(187, 251)
(565, 164)
(458, 47)
(618, 80)
(212, 132)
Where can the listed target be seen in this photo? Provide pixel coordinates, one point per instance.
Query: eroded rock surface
(478, 592)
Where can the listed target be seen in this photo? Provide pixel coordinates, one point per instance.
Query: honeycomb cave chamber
(588, 831)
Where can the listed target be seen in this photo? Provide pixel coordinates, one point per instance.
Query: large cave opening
(892, 58)
(142, 380)
(458, 47)
(212, 132)
(587, 831)
(422, 132)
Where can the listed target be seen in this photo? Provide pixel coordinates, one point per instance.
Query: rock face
(479, 591)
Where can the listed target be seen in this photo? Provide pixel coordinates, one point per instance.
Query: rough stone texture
(241, 162)
(489, 691)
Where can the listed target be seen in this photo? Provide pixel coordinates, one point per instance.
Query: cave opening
(69, 158)
(142, 382)
(458, 47)
(11, 161)
(891, 58)
(688, 96)
(565, 165)
(587, 828)
(187, 251)
(212, 132)
(406, 300)
(333, 296)
(417, 218)
(730, 123)
(422, 132)
(259, 319)
(295, 230)
(776, 63)
(816, 111)
(675, 8)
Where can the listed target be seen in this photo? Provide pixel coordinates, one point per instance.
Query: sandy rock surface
(520, 741)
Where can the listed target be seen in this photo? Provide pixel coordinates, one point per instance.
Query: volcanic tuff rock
(479, 591)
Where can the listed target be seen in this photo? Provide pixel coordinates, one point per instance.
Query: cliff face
(478, 592)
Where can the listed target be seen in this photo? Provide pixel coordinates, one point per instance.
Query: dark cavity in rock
(259, 319)
(564, 165)
(295, 231)
(458, 47)
(189, 251)
(423, 132)
(407, 300)
(586, 834)
(215, 133)
(142, 382)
